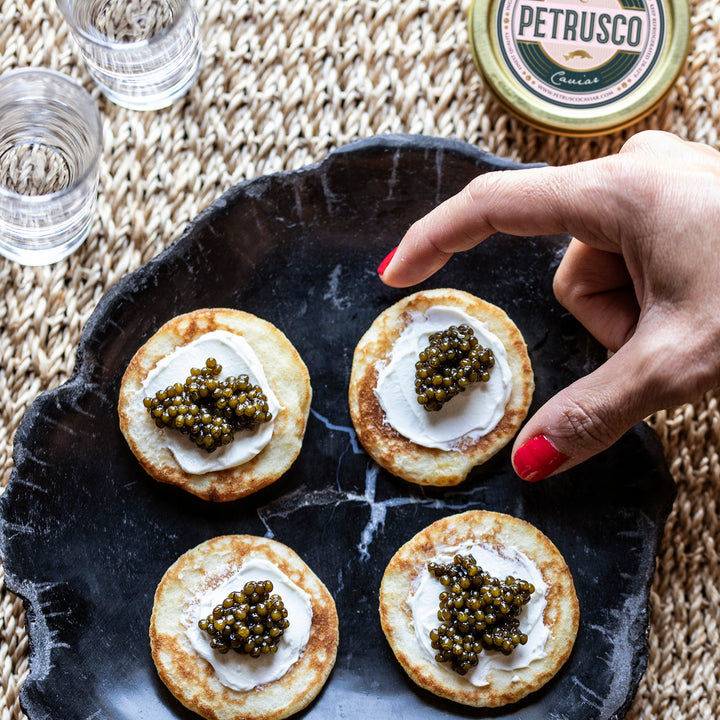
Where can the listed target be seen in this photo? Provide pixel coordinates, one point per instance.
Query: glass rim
(92, 120)
(66, 7)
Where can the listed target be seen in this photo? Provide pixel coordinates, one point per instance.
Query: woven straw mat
(282, 84)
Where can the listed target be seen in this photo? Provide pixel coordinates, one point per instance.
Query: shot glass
(50, 142)
(144, 54)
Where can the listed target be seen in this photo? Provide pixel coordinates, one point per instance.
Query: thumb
(589, 415)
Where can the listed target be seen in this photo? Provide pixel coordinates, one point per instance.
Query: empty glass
(50, 142)
(144, 54)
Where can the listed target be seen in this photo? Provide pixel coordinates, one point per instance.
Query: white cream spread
(424, 604)
(236, 356)
(242, 672)
(470, 414)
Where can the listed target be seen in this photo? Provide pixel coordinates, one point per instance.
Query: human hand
(642, 274)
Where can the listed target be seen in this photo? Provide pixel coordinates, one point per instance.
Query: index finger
(536, 201)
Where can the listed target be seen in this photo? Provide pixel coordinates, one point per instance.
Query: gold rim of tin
(544, 115)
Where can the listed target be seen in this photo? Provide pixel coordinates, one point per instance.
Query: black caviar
(251, 622)
(477, 612)
(210, 411)
(453, 359)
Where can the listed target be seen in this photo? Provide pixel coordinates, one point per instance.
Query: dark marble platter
(86, 535)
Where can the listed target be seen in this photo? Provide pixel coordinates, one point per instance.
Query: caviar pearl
(449, 364)
(477, 612)
(251, 622)
(210, 411)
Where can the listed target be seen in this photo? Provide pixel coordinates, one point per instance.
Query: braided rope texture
(283, 83)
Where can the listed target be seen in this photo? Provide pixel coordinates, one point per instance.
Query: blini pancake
(495, 530)
(288, 378)
(395, 452)
(191, 679)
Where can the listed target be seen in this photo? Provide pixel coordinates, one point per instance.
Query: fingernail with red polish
(537, 459)
(383, 265)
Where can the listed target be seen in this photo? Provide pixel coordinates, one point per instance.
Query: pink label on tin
(580, 53)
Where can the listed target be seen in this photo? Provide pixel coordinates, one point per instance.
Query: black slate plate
(86, 535)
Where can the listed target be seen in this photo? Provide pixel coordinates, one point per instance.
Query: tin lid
(579, 67)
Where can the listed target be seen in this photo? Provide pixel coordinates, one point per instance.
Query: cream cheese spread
(500, 562)
(470, 414)
(242, 672)
(237, 357)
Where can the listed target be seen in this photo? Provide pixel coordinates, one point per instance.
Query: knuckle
(486, 190)
(642, 140)
(478, 189)
(564, 286)
(594, 429)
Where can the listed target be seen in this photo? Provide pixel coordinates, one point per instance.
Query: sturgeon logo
(580, 53)
(584, 54)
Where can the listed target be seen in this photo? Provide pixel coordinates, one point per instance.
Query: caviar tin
(579, 67)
